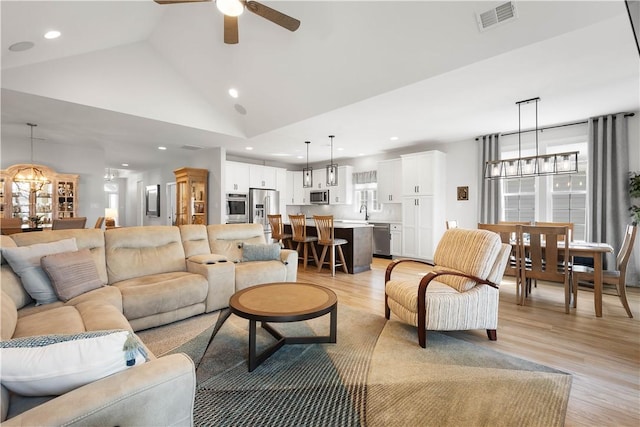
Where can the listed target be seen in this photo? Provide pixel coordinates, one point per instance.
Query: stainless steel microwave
(319, 197)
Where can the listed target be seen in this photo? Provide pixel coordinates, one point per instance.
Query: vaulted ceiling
(133, 75)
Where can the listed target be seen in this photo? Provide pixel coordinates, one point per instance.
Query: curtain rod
(554, 126)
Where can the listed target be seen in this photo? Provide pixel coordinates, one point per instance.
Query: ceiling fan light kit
(233, 8)
(230, 7)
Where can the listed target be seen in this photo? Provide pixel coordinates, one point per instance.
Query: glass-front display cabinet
(191, 195)
(37, 194)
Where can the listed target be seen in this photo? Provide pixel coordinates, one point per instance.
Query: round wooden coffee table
(283, 302)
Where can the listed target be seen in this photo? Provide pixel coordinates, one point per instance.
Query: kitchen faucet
(366, 212)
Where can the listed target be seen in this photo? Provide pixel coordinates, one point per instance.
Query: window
(549, 198)
(366, 194)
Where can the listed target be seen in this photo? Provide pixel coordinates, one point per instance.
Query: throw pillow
(71, 273)
(25, 262)
(266, 252)
(51, 365)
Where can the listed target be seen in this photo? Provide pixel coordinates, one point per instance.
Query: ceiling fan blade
(273, 15)
(179, 1)
(230, 29)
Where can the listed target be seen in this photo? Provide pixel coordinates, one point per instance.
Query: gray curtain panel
(608, 178)
(489, 188)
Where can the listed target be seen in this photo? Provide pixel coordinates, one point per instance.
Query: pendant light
(332, 168)
(545, 164)
(31, 174)
(307, 173)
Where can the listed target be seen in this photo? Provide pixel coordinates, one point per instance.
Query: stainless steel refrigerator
(263, 203)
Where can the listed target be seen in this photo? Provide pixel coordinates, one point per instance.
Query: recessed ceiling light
(20, 46)
(233, 92)
(340, 148)
(299, 157)
(394, 138)
(125, 164)
(53, 34)
(248, 148)
(360, 154)
(162, 148)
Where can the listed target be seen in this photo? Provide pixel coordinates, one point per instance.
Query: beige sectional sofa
(152, 276)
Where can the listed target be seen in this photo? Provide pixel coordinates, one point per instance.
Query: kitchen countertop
(339, 223)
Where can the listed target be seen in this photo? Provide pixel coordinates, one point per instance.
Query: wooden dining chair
(68, 223)
(326, 238)
(99, 222)
(544, 247)
(10, 225)
(569, 225)
(615, 277)
(515, 222)
(277, 231)
(299, 235)
(507, 233)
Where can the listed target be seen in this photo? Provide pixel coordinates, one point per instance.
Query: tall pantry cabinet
(423, 203)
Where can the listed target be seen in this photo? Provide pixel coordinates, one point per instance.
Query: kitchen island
(358, 251)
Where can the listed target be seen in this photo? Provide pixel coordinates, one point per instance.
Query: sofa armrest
(221, 276)
(290, 258)
(159, 392)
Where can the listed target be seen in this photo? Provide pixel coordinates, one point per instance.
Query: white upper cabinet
(236, 177)
(295, 194)
(319, 179)
(389, 182)
(262, 176)
(342, 194)
(422, 173)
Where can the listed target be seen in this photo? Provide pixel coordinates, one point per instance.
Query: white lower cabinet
(396, 239)
(418, 227)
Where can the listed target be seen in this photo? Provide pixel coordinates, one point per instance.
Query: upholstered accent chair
(458, 292)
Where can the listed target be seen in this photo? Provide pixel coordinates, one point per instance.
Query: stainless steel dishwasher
(381, 239)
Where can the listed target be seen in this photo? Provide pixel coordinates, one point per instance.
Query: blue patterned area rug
(375, 375)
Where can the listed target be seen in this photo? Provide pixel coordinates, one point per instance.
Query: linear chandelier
(540, 164)
(31, 174)
(307, 173)
(332, 168)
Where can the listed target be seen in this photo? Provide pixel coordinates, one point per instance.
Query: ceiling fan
(233, 8)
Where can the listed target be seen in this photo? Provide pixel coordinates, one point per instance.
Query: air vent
(499, 15)
(191, 147)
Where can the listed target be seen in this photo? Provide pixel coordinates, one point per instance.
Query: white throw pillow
(55, 364)
(25, 262)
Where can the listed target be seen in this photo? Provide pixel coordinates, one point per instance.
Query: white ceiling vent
(191, 147)
(498, 15)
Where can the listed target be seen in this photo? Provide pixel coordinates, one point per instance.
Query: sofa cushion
(258, 272)
(25, 262)
(133, 252)
(90, 238)
(55, 364)
(160, 293)
(11, 284)
(227, 239)
(266, 252)
(8, 316)
(194, 239)
(71, 273)
(58, 320)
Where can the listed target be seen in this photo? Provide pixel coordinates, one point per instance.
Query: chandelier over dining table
(540, 164)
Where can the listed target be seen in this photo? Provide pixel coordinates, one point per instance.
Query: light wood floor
(602, 354)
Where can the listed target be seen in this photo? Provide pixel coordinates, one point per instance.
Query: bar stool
(326, 238)
(277, 230)
(299, 230)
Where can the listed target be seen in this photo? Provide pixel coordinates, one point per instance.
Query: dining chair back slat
(544, 247)
(299, 235)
